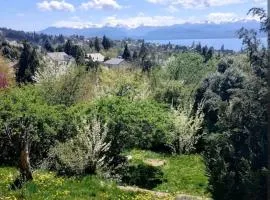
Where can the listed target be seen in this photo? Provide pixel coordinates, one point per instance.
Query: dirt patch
(155, 162)
(136, 189)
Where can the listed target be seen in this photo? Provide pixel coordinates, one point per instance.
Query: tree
(61, 39)
(235, 141)
(48, 46)
(27, 124)
(78, 53)
(91, 45)
(209, 54)
(222, 49)
(126, 54)
(204, 51)
(135, 55)
(106, 43)
(198, 48)
(97, 47)
(28, 64)
(143, 51)
(68, 47)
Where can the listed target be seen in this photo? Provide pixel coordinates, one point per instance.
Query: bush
(83, 154)
(28, 124)
(170, 93)
(235, 146)
(185, 135)
(142, 124)
(6, 76)
(189, 67)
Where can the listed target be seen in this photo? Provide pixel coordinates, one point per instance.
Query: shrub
(143, 124)
(6, 76)
(170, 93)
(28, 128)
(235, 146)
(84, 153)
(185, 135)
(189, 67)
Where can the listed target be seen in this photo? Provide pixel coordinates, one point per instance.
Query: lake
(229, 43)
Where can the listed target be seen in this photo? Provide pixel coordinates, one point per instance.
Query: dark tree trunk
(24, 162)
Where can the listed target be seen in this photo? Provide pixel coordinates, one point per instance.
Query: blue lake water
(229, 43)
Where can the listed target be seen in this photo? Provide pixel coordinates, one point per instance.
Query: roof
(60, 56)
(114, 61)
(96, 57)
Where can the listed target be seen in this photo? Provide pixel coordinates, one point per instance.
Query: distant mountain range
(181, 31)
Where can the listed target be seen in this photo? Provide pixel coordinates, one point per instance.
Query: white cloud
(132, 22)
(218, 18)
(101, 4)
(143, 20)
(55, 5)
(195, 3)
(260, 2)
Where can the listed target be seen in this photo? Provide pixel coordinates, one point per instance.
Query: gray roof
(60, 56)
(114, 61)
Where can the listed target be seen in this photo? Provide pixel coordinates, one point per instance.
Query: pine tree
(126, 55)
(28, 65)
(106, 43)
(143, 51)
(48, 46)
(78, 53)
(97, 47)
(91, 45)
(61, 39)
(68, 47)
(199, 48)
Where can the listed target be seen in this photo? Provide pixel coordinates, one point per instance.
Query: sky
(36, 15)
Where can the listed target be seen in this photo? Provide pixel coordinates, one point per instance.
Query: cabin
(115, 63)
(61, 58)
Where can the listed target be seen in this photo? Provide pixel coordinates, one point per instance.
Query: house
(115, 62)
(96, 57)
(61, 58)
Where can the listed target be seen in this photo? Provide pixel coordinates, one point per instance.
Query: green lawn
(184, 174)
(47, 186)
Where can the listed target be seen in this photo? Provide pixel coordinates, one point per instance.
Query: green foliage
(24, 114)
(170, 93)
(96, 44)
(143, 51)
(142, 124)
(126, 54)
(84, 153)
(68, 47)
(78, 53)
(66, 89)
(189, 67)
(28, 65)
(106, 43)
(186, 126)
(235, 107)
(48, 46)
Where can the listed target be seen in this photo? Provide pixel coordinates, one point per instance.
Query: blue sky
(35, 15)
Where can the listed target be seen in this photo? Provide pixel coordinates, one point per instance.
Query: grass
(184, 174)
(47, 185)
